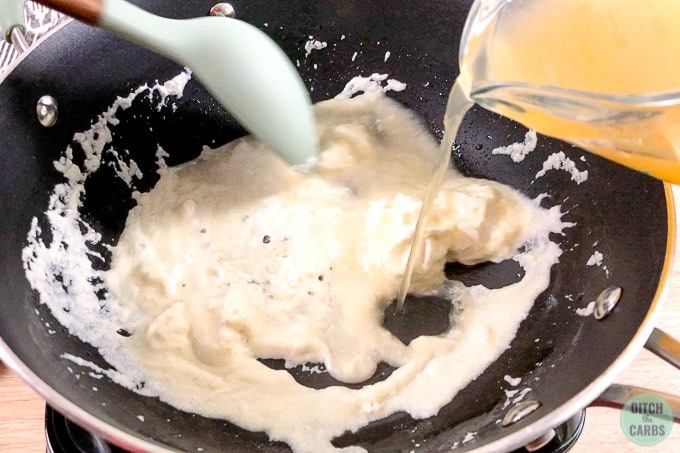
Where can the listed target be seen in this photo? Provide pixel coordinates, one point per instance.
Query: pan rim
(582, 399)
(22, 56)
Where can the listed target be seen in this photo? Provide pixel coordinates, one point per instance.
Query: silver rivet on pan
(519, 411)
(47, 111)
(606, 302)
(223, 10)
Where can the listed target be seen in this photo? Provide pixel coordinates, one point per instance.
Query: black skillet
(567, 360)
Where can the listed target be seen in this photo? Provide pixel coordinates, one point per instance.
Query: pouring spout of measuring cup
(632, 130)
(600, 74)
(242, 67)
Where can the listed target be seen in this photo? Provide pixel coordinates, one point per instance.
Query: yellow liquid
(610, 47)
(458, 104)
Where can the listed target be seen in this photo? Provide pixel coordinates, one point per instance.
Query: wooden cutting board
(22, 411)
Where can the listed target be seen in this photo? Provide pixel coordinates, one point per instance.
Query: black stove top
(64, 436)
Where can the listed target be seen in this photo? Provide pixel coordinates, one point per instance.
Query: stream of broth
(457, 106)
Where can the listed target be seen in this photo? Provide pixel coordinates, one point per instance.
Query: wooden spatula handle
(87, 11)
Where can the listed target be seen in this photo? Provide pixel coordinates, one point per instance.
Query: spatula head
(242, 67)
(252, 77)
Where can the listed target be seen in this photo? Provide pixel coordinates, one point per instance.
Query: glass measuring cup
(601, 74)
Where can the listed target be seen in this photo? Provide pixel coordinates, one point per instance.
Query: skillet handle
(617, 395)
(87, 11)
(665, 346)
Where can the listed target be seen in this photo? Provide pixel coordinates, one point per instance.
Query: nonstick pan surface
(566, 360)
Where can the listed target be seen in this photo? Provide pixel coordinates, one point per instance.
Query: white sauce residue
(387, 55)
(595, 259)
(126, 171)
(370, 84)
(587, 310)
(172, 88)
(511, 380)
(314, 44)
(469, 436)
(518, 151)
(515, 396)
(202, 310)
(60, 269)
(559, 161)
(394, 85)
(120, 378)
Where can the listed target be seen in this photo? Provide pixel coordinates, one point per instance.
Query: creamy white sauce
(221, 263)
(235, 257)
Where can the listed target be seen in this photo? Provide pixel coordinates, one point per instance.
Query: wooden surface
(21, 410)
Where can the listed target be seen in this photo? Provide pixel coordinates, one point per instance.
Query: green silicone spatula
(244, 69)
(11, 15)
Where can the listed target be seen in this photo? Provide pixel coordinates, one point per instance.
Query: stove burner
(64, 436)
(565, 436)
